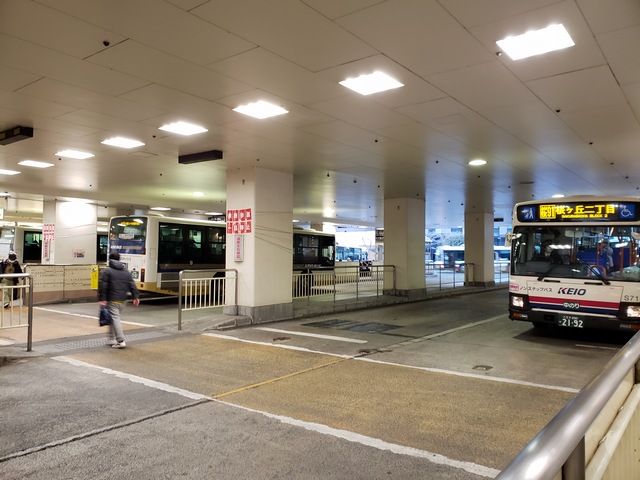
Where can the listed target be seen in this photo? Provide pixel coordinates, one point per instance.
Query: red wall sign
(239, 221)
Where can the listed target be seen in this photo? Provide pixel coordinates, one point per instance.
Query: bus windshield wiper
(595, 271)
(546, 274)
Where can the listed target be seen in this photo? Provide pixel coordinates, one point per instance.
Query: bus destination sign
(579, 212)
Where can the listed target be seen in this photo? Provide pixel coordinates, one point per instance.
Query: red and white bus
(575, 263)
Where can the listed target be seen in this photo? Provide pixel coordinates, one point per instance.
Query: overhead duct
(15, 134)
(200, 157)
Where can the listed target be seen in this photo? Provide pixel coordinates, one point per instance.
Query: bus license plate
(570, 321)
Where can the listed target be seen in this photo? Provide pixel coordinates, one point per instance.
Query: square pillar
(478, 249)
(404, 244)
(265, 262)
(69, 233)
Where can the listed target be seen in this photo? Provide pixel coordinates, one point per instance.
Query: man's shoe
(119, 345)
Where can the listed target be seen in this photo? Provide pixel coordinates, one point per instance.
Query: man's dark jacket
(115, 283)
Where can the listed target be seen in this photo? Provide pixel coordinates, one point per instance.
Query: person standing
(114, 286)
(10, 265)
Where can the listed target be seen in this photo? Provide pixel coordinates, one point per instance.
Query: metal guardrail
(15, 307)
(200, 289)
(560, 446)
(344, 282)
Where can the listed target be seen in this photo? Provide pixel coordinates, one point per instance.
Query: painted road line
(472, 375)
(426, 369)
(312, 427)
(92, 317)
(135, 379)
(275, 345)
(599, 347)
(452, 330)
(377, 443)
(314, 335)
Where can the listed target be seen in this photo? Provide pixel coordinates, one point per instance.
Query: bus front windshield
(127, 235)
(600, 252)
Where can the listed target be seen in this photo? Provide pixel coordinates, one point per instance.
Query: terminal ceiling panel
(80, 71)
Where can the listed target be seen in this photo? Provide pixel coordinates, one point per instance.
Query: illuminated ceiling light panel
(183, 128)
(198, 194)
(160, 209)
(477, 162)
(557, 195)
(214, 213)
(8, 172)
(536, 42)
(371, 83)
(260, 109)
(77, 154)
(35, 163)
(122, 142)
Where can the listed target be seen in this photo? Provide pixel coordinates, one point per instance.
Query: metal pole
(357, 282)
(180, 301)
(573, 468)
(30, 315)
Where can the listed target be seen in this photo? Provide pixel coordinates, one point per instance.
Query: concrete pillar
(404, 243)
(264, 255)
(478, 249)
(68, 233)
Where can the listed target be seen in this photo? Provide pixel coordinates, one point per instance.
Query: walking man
(113, 288)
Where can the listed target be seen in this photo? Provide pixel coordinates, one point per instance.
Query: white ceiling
(78, 71)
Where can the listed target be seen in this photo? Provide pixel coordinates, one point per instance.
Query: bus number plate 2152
(570, 321)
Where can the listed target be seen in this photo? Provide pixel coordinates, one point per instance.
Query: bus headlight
(633, 311)
(517, 301)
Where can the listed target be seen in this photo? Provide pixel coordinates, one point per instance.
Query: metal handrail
(29, 305)
(561, 443)
(180, 275)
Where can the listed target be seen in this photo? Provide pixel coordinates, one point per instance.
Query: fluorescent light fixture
(557, 195)
(122, 142)
(198, 194)
(214, 213)
(476, 162)
(77, 154)
(536, 42)
(8, 172)
(295, 220)
(35, 163)
(371, 83)
(260, 109)
(183, 128)
(160, 209)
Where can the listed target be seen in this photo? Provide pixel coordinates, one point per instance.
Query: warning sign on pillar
(239, 221)
(238, 251)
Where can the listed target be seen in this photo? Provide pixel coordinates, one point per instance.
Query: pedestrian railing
(596, 435)
(440, 278)
(344, 282)
(200, 289)
(16, 309)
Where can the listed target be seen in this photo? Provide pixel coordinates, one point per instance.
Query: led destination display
(579, 211)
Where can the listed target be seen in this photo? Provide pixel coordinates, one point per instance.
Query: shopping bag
(105, 317)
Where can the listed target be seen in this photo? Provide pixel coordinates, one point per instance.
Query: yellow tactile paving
(463, 418)
(51, 325)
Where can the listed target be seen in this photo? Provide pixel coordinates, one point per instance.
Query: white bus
(574, 263)
(156, 249)
(452, 256)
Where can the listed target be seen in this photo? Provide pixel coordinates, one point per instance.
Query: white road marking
(596, 346)
(314, 335)
(472, 375)
(426, 369)
(377, 443)
(461, 327)
(5, 343)
(267, 344)
(310, 426)
(92, 317)
(134, 378)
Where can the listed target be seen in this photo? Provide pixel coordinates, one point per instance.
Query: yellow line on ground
(277, 379)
